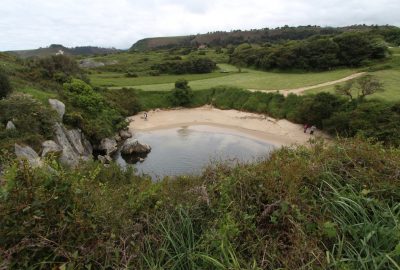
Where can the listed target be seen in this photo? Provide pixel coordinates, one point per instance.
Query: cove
(187, 150)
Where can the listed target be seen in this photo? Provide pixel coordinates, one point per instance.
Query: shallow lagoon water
(188, 150)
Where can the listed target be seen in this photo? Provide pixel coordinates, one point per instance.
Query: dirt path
(299, 91)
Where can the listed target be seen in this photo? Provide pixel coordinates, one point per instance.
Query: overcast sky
(26, 24)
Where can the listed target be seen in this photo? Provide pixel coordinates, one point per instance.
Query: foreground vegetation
(334, 206)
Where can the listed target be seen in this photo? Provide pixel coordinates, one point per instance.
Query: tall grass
(368, 229)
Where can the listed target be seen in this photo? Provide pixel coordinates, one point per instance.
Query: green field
(248, 79)
(390, 77)
(388, 72)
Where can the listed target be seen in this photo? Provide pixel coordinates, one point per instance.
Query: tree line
(317, 53)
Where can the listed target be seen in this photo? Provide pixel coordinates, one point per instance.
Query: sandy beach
(277, 132)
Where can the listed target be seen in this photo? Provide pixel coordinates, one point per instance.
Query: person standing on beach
(312, 129)
(306, 126)
(145, 115)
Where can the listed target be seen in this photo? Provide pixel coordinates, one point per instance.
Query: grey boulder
(28, 154)
(125, 134)
(132, 146)
(10, 125)
(51, 147)
(58, 106)
(74, 145)
(109, 146)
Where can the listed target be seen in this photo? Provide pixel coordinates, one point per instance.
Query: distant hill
(60, 49)
(265, 35)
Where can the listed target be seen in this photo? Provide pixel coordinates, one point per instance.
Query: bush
(5, 85)
(97, 118)
(333, 206)
(33, 121)
(182, 94)
(124, 100)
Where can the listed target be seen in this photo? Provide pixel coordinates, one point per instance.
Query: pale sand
(277, 132)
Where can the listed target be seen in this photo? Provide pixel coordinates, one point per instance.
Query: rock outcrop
(74, 145)
(58, 106)
(50, 147)
(125, 134)
(10, 125)
(133, 146)
(108, 145)
(28, 154)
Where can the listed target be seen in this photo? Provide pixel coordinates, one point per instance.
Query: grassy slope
(14, 67)
(255, 80)
(389, 77)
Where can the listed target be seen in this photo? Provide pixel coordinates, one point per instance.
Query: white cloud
(119, 23)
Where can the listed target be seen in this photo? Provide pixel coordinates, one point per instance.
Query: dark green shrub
(93, 113)
(34, 121)
(5, 85)
(182, 94)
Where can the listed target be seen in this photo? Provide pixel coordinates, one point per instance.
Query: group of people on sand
(309, 127)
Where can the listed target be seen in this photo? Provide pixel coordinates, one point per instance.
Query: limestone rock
(79, 142)
(27, 153)
(125, 134)
(74, 145)
(132, 146)
(104, 159)
(10, 125)
(109, 146)
(51, 147)
(58, 106)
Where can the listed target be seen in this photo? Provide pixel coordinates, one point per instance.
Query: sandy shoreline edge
(276, 132)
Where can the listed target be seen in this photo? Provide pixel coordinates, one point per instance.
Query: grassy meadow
(388, 73)
(247, 79)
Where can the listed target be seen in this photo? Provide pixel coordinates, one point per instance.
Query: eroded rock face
(10, 125)
(79, 142)
(58, 106)
(50, 147)
(28, 154)
(74, 145)
(132, 146)
(108, 145)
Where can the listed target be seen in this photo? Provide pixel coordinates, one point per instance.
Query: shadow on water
(189, 149)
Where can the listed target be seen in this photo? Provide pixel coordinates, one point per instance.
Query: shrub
(182, 94)
(5, 85)
(34, 121)
(125, 100)
(97, 118)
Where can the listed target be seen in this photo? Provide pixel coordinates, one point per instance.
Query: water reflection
(187, 150)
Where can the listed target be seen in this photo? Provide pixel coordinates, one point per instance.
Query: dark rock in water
(58, 106)
(50, 147)
(10, 125)
(28, 154)
(109, 146)
(133, 146)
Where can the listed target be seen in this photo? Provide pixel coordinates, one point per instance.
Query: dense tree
(316, 53)
(192, 66)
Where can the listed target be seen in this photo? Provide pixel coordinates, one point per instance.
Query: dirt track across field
(299, 91)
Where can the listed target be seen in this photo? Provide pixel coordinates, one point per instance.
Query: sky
(28, 24)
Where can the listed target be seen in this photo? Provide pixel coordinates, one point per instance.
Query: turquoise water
(187, 150)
